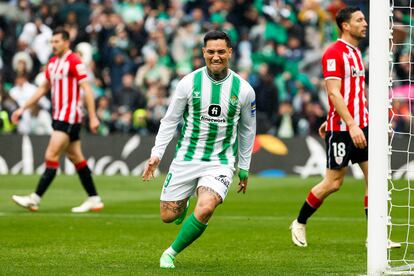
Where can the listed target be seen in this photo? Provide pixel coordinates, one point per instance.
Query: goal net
(400, 218)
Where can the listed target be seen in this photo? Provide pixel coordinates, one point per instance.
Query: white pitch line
(156, 216)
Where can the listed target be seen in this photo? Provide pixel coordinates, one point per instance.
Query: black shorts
(340, 149)
(72, 131)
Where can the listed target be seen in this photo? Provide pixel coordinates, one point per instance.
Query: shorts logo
(339, 160)
(331, 65)
(214, 110)
(167, 180)
(223, 179)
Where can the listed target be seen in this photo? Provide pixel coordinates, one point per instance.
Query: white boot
(30, 202)
(93, 204)
(298, 233)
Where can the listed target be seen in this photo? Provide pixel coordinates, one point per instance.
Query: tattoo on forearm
(174, 206)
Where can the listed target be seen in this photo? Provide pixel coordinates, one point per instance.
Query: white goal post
(391, 134)
(378, 136)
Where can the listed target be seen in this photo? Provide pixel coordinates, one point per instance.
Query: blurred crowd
(137, 50)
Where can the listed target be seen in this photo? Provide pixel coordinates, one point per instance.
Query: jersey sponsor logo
(212, 120)
(223, 179)
(357, 73)
(331, 65)
(214, 110)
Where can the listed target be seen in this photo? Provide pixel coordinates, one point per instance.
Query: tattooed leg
(207, 201)
(170, 210)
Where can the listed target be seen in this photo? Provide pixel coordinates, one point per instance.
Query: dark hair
(345, 15)
(62, 32)
(214, 35)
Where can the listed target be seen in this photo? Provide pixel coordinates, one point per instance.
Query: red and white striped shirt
(344, 62)
(65, 74)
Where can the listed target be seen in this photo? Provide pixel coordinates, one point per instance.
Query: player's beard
(57, 52)
(358, 36)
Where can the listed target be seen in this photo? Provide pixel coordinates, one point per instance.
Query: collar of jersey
(66, 55)
(348, 44)
(215, 81)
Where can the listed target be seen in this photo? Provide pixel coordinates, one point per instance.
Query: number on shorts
(167, 180)
(339, 149)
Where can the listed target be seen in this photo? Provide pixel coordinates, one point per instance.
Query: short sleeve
(332, 64)
(78, 69)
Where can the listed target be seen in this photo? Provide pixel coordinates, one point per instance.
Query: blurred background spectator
(137, 50)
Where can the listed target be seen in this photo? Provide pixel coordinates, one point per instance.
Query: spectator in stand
(267, 101)
(129, 96)
(121, 64)
(287, 122)
(7, 106)
(22, 63)
(157, 103)
(105, 116)
(23, 90)
(36, 121)
(150, 70)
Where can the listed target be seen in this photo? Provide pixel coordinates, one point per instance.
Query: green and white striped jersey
(219, 120)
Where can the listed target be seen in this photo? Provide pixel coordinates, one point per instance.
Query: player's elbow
(333, 96)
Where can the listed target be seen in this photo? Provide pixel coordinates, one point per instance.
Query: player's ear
(345, 25)
(230, 52)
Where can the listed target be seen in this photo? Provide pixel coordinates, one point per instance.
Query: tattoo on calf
(174, 206)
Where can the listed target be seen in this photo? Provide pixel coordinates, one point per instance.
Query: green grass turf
(247, 235)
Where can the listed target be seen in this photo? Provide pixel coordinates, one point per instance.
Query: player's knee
(72, 158)
(335, 185)
(204, 210)
(168, 217)
(50, 155)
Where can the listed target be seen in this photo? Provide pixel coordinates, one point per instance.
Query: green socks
(190, 231)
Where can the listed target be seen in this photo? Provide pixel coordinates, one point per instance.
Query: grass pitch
(248, 234)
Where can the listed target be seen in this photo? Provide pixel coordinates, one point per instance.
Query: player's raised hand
(16, 115)
(322, 130)
(358, 137)
(243, 176)
(94, 124)
(150, 168)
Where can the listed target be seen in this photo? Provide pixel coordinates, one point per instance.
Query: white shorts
(184, 177)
